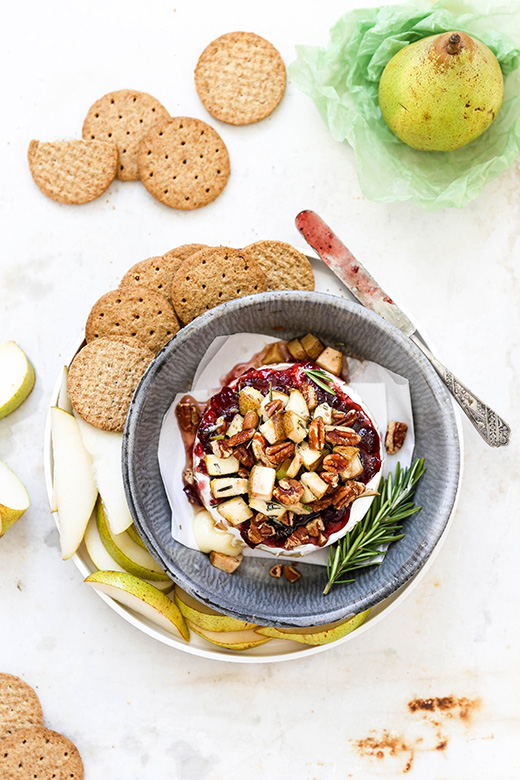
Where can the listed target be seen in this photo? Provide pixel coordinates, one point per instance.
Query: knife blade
(366, 290)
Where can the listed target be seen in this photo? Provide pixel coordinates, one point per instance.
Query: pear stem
(454, 44)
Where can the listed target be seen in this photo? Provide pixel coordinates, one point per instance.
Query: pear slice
(16, 377)
(63, 393)
(134, 535)
(316, 635)
(143, 598)
(103, 560)
(130, 556)
(205, 617)
(74, 488)
(231, 640)
(14, 498)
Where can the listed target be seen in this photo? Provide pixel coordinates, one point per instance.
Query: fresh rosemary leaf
(381, 525)
(320, 378)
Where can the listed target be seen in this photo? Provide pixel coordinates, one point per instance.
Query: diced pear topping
(268, 508)
(297, 404)
(228, 486)
(307, 497)
(312, 346)
(235, 426)
(294, 466)
(325, 412)
(314, 482)
(235, 511)
(355, 467)
(295, 428)
(227, 563)
(330, 360)
(219, 466)
(309, 457)
(297, 350)
(261, 482)
(249, 398)
(274, 354)
(273, 430)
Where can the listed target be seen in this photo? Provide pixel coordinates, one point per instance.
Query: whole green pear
(441, 92)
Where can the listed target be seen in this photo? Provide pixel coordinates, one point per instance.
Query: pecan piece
(335, 462)
(322, 540)
(321, 503)
(330, 477)
(315, 526)
(288, 491)
(317, 434)
(348, 493)
(244, 456)
(341, 435)
(221, 448)
(254, 534)
(342, 418)
(258, 444)
(309, 393)
(251, 420)
(188, 415)
(243, 473)
(291, 573)
(277, 453)
(298, 537)
(241, 437)
(274, 406)
(221, 425)
(276, 570)
(395, 436)
(227, 563)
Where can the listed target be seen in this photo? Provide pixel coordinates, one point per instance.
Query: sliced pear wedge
(316, 635)
(134, 535)
(16, 377)
(75, 491)
(63, 393)
(130, 556)
(14, 498)
(103, 560)
(205, 617)
(232, 640)
(143, 598)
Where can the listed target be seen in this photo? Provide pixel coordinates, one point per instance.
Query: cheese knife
(364, 287)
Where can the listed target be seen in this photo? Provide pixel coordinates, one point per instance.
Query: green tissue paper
(343, 81)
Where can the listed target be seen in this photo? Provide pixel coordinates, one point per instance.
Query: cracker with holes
(103, 377)
(183, 163)
(240, 78)
(72, 172)
(124, 117)
(39, 754)
(285, 268)
(213, 276)
(19, 705)
(134, 312)
(157, 273)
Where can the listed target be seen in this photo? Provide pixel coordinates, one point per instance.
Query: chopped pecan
(266, 529)
(258, 445)
(298, 537)
(251, 420)
(330, 477)
(288, 491)
(221, 448)
(243, 472)
(188, 415)
(277, 453)
(341, 435)
(188, 476)
(322, 540)
(317, 434)
(287, 518)
(221, 425)
(309, 393)
(291, 573)
(254, 534)
(241, 437)
(395, 436)
(274, 406)
(276, 570)
(244, 456)
(321, 503)
(315, 526)
(347, 419)
(345, 494)
(335, 462)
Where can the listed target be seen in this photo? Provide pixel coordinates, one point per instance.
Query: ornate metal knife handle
(491, 427)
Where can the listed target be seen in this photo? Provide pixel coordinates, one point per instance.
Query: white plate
(277, 649)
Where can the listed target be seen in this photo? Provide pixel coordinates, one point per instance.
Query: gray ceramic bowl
(250, 593)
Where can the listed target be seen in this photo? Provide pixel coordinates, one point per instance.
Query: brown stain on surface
(387, 744)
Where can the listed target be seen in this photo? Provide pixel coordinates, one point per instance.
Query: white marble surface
(135, 707)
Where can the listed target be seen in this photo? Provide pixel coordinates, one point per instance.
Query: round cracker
(181, 253)
(124, 117)
(72, 172)
(19, 705)
(39, 754)
(240, 78)
(213, 276)
(284, 266)
(103, 377)
(183, 163)
(136, 312)
(155, 273)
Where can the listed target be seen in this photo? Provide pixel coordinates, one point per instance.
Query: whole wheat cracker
(135, 312)
(155, 273)
(183, 163)
(103, 377)
(72, 172)
(38, 753)
(213, 276)
(240, 78)
(19, 705)
(124, 117)
(284, 266)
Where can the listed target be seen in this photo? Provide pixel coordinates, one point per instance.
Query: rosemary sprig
(380, 526)
(320, 378)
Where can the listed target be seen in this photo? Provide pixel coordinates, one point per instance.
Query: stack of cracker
(127, 327)
(28, 750)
